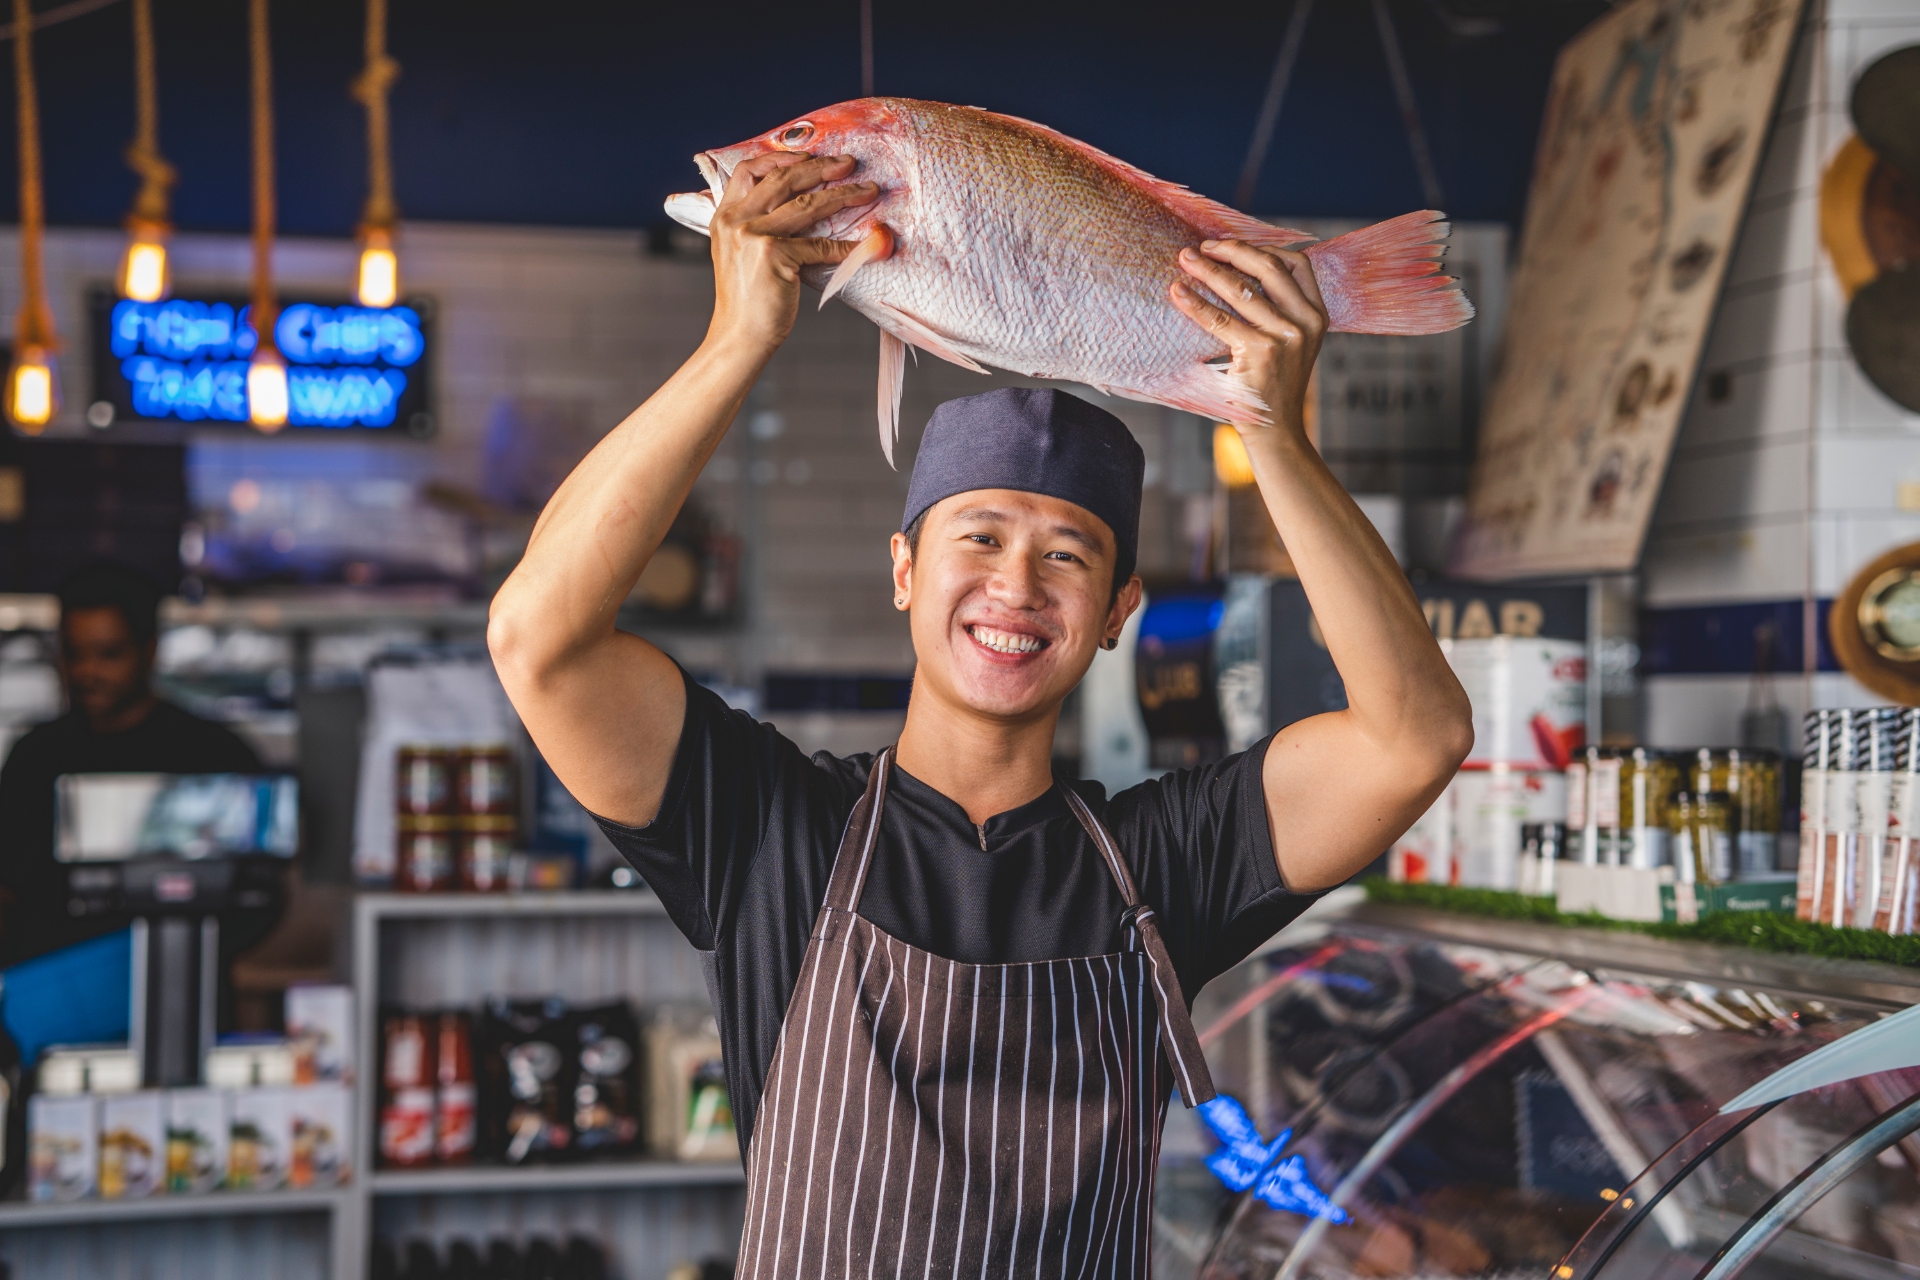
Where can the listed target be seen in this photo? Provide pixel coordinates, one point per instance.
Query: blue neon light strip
(1244, 1161)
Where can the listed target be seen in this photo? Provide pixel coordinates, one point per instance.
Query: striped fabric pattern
(925, 1117)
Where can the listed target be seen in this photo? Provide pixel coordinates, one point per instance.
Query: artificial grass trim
(1759, 930)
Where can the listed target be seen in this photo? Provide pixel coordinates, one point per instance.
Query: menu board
(1654, 127)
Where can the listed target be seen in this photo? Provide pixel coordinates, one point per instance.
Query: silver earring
(898, 601)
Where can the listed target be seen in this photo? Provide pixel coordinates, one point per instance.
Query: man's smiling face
(1011, 594)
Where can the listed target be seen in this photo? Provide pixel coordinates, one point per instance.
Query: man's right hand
(757, 247)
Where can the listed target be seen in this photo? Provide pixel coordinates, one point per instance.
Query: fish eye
(794, 134)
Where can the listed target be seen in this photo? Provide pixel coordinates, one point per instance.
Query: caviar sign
(185, 360)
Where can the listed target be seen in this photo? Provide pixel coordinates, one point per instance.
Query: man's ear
(1123, 606)
(902, 553)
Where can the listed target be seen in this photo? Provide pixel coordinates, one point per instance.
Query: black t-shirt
(743, 846)
(169, 740)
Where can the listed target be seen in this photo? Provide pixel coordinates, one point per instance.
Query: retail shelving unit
(435, 951)
(439, 951)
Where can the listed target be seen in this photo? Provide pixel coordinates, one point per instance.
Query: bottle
(456, 1121)
(407, 1085)
(1815, 767)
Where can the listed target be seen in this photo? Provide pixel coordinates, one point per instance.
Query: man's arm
(605, 707)
(1342, 786)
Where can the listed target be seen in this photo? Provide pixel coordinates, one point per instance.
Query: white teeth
(1006, 641)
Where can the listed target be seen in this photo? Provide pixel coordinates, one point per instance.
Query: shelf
(15, 1215)
(587, 902)
(556, 1177)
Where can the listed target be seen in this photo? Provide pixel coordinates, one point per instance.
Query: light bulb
(1230, 460)
(143, 271)
(33, 393)
(379, 280)
(267, 390)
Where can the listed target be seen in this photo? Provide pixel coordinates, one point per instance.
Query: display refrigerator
(1407, 1093)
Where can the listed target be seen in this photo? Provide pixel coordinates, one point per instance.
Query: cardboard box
(688, 1116)
(1619, 893)
(260, 1139)
(133, 1145)
(197, 1130)
(1529, 699)
(1686, 903)
(1490, 807)
(320, 1025)
(63, 1146)
(322, 1142)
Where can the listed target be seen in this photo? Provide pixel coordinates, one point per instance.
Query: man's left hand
(1276, 325)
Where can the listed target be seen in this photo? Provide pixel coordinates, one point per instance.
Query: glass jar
(1702, 837)
(1647, 779)
(1750, 778)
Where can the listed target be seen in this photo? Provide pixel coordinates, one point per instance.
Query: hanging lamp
(377, 283)
(267, 374)
(33, 382)
(145, 275)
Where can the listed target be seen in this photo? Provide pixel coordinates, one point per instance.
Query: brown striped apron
(925, 1117)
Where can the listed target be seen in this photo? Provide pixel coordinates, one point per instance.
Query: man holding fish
(953, 990)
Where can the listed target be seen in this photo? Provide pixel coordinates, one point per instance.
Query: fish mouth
(1011, 644)
(715, 170)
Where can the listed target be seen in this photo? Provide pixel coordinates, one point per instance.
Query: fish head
(871, 130)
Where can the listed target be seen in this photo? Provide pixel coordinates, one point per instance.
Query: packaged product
(1838, 904)
(1810, 876)
(424, 860)
(320, 1027)
(260, 1138)
(63, 1146)
(1529, 699)
(525, 1050)
(321, 1118)
(688, 1114)
(606, 1082)
(1904, 884)
(1874, 729)
(1490, 807)
(406, 1093)
(485, 780)
(456, 1120)
(1424, 853)
(133, 1144)
(198, 1123)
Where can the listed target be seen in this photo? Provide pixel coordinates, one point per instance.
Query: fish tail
(1386, 278)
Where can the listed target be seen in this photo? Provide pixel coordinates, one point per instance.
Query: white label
(1606, 793)
(1576, 795)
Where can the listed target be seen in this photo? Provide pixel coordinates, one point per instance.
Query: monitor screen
(108, 817)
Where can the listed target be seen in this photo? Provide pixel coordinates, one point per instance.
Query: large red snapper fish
(997, 241)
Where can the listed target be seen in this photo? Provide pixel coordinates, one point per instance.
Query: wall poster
(1655, 123)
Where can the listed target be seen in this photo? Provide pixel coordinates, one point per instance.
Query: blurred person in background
(114, 723)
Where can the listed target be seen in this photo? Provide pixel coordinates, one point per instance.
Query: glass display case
(1400, 1105)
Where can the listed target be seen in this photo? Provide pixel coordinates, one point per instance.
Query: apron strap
(1176, 1024)
(855, 854)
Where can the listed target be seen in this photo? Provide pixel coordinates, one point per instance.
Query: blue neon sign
(1244, 1161)
(185, 360)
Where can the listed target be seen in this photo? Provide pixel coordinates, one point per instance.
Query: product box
(63, 1146)
(197, 1125)
(1686, 903)
(1490, 807)
(320, 1025)
(1529, 699)
(1619, 893)
(322, 1131)
(133, 1145)
(260, 1139)
(688, 1115)
(1424, 854)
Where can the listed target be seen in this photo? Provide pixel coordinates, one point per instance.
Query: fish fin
(926, 339)
(893, 379)
(692, 209)
(1386, 278)
(1209, 217)
(1210, 391)
(877, 247)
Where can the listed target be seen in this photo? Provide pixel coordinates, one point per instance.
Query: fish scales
(996, 241)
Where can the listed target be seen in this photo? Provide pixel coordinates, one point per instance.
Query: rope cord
(143, 153)
(371, 89)
(34, 326)
(265, 309)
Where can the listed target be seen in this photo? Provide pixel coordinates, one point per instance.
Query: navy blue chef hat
(1036, 440)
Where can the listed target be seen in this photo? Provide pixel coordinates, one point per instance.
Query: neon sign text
(1244, 1161)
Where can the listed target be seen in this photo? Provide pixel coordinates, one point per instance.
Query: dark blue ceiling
(586, 114)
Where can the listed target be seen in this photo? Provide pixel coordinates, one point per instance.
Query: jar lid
(489, 823)
(419, 823)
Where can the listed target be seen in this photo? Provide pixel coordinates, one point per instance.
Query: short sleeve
(697, 851)
(1202, 849)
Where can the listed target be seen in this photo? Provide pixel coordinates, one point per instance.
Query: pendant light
(267, 374)
(33, 383)
(144, 272)
(377, 283)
